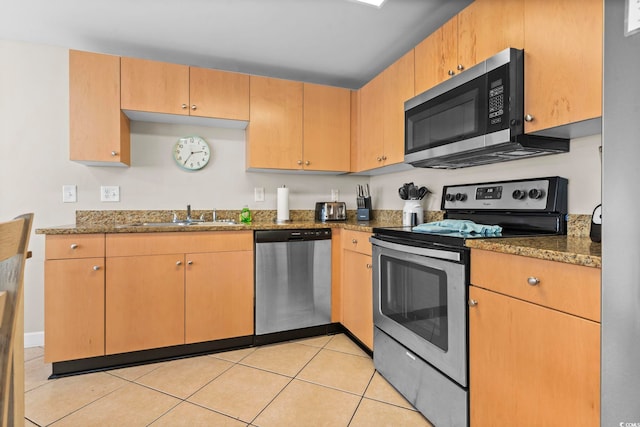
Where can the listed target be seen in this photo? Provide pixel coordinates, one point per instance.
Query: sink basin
(178, 224)
(216, 223)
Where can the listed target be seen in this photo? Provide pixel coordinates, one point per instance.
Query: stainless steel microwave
(474, 118)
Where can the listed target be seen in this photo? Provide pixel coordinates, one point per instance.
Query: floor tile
(380, 389)
(343, 343)
(36, 373)
(343, 371)
(241, 392)
(181, 378)
(62, 396)
(234, 355)
(131, 405)
(132, 373)
(28, 423)
(33, 352)
(315, 341)
(189, 415)
(305, 404)
(286, 359)
(371, 413)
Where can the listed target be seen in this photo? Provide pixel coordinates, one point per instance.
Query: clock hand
(185, 160)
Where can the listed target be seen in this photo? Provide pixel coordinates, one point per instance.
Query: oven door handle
(414, 250)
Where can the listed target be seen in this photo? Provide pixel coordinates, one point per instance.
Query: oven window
(415, 296)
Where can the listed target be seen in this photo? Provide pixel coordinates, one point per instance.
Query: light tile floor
(322, 381)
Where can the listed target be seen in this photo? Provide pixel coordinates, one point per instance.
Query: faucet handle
(175, 217)
(214, 215)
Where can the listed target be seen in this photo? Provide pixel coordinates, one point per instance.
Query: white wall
(34, 164)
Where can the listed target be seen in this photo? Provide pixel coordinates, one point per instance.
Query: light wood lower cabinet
(218, 296)
(74, 297)
(530, 364)
(357, 289)
(144, 302)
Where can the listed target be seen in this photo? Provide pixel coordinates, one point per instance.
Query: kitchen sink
(178, 224)
(216, 223)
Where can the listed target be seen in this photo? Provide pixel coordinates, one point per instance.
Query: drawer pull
(354, 241)
(96, 267)
(533, 281)
(472, 302)
(369, 266)
(74, 246)
(178, 262)
(189, 262)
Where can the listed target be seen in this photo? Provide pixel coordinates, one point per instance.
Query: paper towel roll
(283, 204)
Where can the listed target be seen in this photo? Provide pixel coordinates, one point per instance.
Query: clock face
(191, 153)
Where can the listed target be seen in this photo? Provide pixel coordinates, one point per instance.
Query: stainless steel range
(420, 289)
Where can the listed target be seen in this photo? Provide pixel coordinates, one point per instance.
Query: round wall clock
(191, 153)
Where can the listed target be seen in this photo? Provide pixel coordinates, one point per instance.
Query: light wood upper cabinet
(161, 87)
(563, 62)
(380, 138)
(482, 29)
(326, 128)
(534, 345)
(98, 130)
(436, 56)
(296, 125)
(154, 86)
(274, 134)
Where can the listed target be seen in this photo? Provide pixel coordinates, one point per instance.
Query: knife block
(365, 213)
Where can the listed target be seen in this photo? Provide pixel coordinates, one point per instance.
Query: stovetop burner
(523, 208)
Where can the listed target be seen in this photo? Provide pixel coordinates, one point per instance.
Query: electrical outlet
(258, 194)
(69, 194)
(335, 195)
(109, 193)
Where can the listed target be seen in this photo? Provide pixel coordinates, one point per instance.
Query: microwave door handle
(414, 250)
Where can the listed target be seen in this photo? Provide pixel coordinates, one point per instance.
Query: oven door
(419, 298)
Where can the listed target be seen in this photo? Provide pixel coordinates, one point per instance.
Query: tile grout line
(361, 398)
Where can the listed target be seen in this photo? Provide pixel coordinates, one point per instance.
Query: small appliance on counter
(412, 212)
(331, 211)
(363, 202)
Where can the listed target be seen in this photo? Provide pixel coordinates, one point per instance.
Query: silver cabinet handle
(178, 262)
(184, 106)
(193, 107)
(384, 157)
(472, 302)
(190, 262)
(96, 267)
(379, 159)
(451, 72)
(528, 118)
(114, 153)
(533, 281)
(460, 67)
(307, 163)
(299, 162)
(354, 241)
(369, 266)
(74, 246)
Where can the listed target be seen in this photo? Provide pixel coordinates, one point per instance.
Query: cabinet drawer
(74, 246)
(130, 244)
(565, 287)
(357, 241)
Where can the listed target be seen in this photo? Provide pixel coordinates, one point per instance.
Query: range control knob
(519, 194)
(534, 193)
(449, 197)
(461, 197)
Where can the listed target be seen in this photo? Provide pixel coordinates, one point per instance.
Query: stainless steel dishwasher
(293, 279)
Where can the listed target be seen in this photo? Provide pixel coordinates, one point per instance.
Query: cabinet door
(563, 62)
(482, 32)
(398, 87)
(218, 296)
(327, 129)
(220, 94)
(98, 130)
(528, 362)
(357, 296)
(74, 309)
(371, 125)
(156, 87)
(144, 302)
(274, 134)
(436, 56)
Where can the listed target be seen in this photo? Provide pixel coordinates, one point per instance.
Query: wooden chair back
(14, 239)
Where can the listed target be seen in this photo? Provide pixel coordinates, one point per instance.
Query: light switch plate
(69, 194)
(109, 193)
(258, 194)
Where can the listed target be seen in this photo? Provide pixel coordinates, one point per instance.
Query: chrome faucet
(214, 215)
(188, 213)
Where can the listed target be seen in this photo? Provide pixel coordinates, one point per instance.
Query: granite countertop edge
(577, 250)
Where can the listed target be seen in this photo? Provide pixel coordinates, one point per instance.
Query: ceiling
(335, 42)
